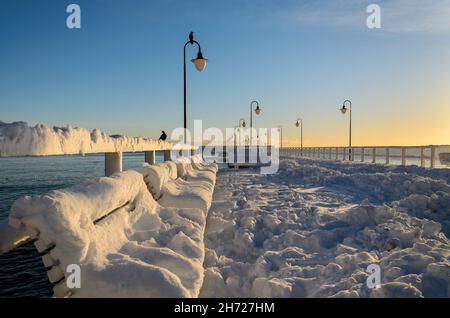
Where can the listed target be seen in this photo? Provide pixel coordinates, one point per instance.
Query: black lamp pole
(344, 110)
(257, 110)
(299, 123)
(200, 64)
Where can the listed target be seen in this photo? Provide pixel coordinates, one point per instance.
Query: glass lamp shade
(257, 110)
(343, 109)
(243, 124)
(297, 124)
(200, 63)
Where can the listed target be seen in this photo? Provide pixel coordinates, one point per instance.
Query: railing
(377, 154)
(20, 140)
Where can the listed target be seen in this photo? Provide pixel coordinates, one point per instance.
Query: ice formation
(19, 139)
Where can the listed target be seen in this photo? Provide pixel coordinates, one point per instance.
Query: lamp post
(299, 123)
(344, 110)
(257, 112)
(280, 129)
(200, 63)
(238, 128)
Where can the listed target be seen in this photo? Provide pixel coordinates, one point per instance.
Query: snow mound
(125, 243)
(19, 139)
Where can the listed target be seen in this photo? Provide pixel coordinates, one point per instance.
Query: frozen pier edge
(19, 139)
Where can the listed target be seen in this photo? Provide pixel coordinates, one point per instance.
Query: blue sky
(122, 71)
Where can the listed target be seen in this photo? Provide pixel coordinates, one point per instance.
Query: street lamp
(200, 63)
(299, 123)
(238, 128)
(257, 112)
(280, 129)
(344, 110)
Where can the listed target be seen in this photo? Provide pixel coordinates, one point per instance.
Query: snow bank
(126, 244)
(19, 139)
(313, 229)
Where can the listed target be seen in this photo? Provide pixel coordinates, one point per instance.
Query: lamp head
(199, 62)
(343, 109)
(297, 124)
(243, 123)
(257, 110)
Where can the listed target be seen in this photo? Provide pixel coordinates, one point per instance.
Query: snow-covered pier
(310, 230)
(314, 228)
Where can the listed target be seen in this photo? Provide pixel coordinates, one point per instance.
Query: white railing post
(422, 157)
(362, 154)
(432, 156)
(387, 155)
(150, 157)
(344, 153)
(403, 156)
(337, 153)
(374, 155)
(113, 163)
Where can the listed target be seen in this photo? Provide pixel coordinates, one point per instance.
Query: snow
(19, 139)
(140, 250)
(170, 191)
(312, 230)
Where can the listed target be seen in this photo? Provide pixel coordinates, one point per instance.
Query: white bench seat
(170, 191)
(125, 243)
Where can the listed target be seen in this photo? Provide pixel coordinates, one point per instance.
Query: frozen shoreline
(312, 229)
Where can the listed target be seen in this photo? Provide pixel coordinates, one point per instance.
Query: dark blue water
(22, 273)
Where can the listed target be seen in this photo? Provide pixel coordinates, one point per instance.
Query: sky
(122, 71)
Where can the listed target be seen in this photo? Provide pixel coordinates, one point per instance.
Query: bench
(126, 243)
(177, 184)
